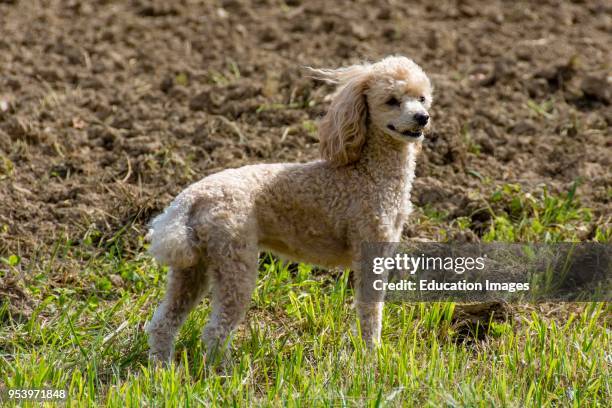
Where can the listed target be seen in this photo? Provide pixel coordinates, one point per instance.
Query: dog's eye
(421, 99)
(393, 101)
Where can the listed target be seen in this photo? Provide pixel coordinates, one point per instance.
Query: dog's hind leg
(184, 291)
(233, 274)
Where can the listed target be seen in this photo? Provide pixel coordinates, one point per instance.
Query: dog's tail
(171, 238)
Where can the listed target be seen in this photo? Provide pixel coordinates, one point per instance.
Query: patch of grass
(544, 109)
(182, 79)
(278, 106)
(523, 217)
(85, 334)
(310, 127)
(471, 145)
(7, 167)
(512, 215)
(298, 348)
(434, 214)
(230, 74)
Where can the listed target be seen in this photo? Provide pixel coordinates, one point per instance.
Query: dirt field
(109, 108)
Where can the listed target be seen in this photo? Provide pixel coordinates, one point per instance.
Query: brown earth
(109, 108)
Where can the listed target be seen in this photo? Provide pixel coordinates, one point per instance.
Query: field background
(110, 108)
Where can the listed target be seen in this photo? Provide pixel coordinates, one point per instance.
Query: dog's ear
(342, 131)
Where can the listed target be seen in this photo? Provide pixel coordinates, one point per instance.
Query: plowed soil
(110, 108)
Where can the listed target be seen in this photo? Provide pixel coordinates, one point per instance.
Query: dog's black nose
(421, 118)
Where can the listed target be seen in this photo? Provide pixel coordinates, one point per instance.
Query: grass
(522, 217)
(298, 348)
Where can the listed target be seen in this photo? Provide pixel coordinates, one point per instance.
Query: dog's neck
(387, 159)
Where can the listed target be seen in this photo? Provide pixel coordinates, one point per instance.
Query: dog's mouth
(409, 133)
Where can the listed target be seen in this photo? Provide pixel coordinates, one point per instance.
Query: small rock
(78, 123)
(359, 31)
(116, 280)
(221, 13)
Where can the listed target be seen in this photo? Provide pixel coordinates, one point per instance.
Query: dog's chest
(403, 210)
(403, 205)
(393, 208)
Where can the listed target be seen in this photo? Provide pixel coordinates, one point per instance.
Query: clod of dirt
(155, 8)
(537, 88)
(384, 13)
(142, 145)
(501, 70)
(523, 127)
(471, 321)
(20, 129)
(122, 122)
(204, 102)
(444, 148)
(166, 84)
(486, 144)
(558, 75)
(597, 88)
(20, 302)
(431, 192)
(463, 236)
(13, 84)
(105, 137)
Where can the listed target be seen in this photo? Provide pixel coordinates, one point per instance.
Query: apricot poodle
(319, 212)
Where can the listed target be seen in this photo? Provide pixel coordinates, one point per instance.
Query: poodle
(318, 212)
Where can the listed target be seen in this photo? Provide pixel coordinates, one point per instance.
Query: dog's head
(392, 96)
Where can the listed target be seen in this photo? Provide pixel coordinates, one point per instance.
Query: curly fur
(342, 132)
(318, 212)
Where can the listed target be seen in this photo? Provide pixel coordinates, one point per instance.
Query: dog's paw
(161, 358)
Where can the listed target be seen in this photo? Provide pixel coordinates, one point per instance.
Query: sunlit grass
(298, 346)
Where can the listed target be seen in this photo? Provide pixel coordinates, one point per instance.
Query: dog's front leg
(370, 286)
(370, 320)
(369, 304)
